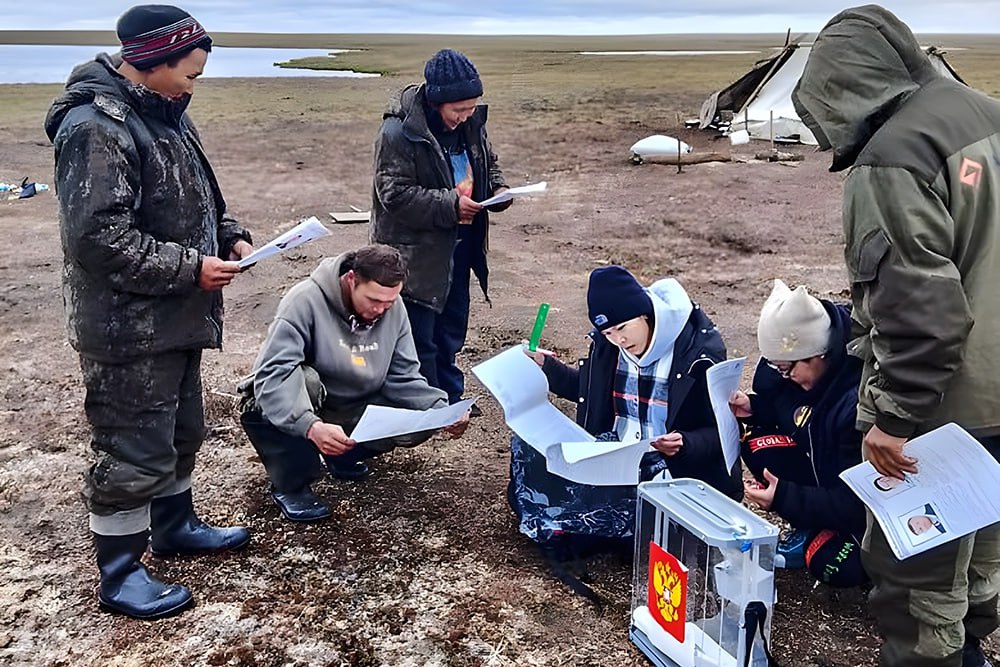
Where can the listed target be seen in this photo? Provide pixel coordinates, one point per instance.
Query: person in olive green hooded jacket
(921, 207)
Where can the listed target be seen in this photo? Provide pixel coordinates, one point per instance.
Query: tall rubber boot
(178, 531)
(351, 465)
(126, 585)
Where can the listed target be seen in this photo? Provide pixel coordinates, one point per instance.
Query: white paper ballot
(521, 191)
(307, 230)
(574, 452)
(521, 388)
(723, 380)
(379, 421)
(610, 463)
(952, 494)
(522, 391)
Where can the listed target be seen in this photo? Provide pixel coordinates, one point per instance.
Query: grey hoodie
(312, 327)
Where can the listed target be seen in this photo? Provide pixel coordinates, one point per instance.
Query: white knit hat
(793, 325)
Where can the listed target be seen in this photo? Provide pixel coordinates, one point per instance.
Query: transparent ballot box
(703, 588)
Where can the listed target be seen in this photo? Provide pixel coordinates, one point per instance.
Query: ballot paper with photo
(380, 421)
(952, 494)
(521, 388)
(723, 380)
(307, 230)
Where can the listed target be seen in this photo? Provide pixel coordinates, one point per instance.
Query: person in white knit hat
(794, 329)
(800, 432)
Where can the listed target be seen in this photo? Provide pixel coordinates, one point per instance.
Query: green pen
(536, 331)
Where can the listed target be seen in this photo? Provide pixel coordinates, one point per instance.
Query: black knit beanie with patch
(615, 296)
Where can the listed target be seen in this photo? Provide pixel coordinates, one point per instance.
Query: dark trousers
(293, 462)
(439, 337)
(147, 423)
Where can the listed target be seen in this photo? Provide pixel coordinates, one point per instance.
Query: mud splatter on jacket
(921, 212)
(414, 203)
(139, 207)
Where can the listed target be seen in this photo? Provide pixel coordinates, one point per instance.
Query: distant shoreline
(331, 40)
(403, 54)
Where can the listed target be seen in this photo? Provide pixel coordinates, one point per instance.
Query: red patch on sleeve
(766, 441)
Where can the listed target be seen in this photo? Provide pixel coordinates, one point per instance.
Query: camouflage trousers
(927, 604)
(147, 423)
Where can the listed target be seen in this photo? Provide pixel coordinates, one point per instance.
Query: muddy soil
(421, 564)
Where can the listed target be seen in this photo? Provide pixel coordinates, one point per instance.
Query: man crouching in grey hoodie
(340, 341)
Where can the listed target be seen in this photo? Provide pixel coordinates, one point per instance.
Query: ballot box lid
(705, 511)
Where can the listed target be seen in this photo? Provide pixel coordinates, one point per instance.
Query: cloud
(517, 16)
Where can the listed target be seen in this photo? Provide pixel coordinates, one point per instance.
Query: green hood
(864, 65)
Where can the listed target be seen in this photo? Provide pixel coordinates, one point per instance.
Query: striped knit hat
(153, 34)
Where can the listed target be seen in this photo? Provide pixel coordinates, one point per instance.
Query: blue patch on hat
(600, 320)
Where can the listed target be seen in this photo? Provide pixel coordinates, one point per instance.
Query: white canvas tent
(747, 103)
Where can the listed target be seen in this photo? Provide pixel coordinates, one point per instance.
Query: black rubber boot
(302, 505)
(178, 531)
(350, 466)
(126, 585)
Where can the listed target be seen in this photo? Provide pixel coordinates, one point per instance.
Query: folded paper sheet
(379, 421)
(307, 230)
(953, 493)
(570, 452)
(533, 189)
(723, 380)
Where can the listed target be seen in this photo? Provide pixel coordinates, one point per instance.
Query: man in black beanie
(433, 163)
(148, 247)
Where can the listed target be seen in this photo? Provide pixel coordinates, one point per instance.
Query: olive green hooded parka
(921, 222)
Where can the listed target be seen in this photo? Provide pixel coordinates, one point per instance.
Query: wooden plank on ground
(349, 217)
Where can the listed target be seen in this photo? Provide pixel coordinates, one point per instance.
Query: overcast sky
(511, 17)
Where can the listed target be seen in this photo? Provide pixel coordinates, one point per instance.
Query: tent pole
(679, 123)
(778, 61)
(770, 129)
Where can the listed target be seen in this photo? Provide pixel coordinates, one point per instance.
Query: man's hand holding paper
(330, 438)
(885, 452)
(457, 430)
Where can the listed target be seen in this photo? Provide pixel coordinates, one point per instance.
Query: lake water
(52, 64)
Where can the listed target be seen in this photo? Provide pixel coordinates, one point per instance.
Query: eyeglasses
(783, 368)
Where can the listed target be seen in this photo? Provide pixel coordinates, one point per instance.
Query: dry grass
(541, 76)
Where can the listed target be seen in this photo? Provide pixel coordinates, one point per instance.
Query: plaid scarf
(640, 398)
